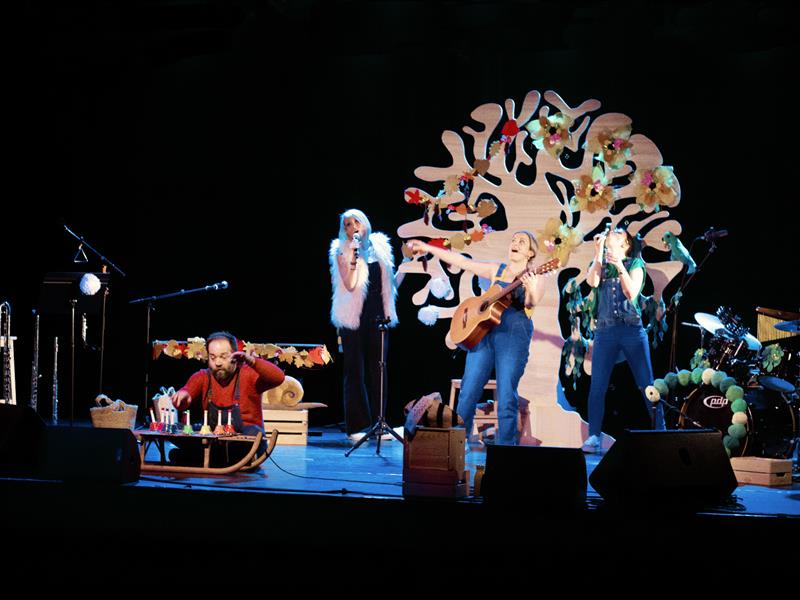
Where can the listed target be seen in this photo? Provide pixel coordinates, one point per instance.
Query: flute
(55, 381)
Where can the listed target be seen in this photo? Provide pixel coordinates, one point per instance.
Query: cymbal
(790, 326)
(711, 324)
(752, 341)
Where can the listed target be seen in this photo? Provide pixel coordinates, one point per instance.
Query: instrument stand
(684, 283)
(381, 426)
(72, 304)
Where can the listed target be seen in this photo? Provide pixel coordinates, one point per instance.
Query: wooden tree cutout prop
(617, 175)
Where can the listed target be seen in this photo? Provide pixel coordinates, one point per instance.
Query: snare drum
(771, 420)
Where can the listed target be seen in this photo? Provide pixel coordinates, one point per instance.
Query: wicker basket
(113, 415)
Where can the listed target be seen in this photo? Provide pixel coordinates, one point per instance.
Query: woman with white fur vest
(364, 290)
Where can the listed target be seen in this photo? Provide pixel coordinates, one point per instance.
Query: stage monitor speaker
(539, 476)
(682, 469)
(21, 440)
(91, 454)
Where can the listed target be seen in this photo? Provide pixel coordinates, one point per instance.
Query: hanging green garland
(672, 382)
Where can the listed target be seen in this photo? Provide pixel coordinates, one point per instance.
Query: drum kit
(771, 390)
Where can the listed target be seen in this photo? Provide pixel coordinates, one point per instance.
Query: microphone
(357, 239)
(713, 234)
(222, 285)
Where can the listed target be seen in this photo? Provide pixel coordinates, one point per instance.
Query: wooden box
(769, 472)
(292, 426)
(435, 448)
(432, 490)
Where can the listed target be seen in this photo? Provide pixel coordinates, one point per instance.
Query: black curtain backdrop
(198, 141)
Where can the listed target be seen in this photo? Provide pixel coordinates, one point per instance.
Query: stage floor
(310, 507)
(321, 468)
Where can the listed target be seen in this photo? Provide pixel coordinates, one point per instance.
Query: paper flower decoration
(612, 147)
(655, 188)
(592, 193)
(196, 348)
(772, 356)
(550, 133)
(559, 239)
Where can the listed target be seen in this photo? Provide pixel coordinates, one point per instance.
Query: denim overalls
(619, 331)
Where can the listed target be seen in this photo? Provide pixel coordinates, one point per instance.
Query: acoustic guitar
(476, 316)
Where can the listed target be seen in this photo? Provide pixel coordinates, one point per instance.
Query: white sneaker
(593, 444)
(354, 437)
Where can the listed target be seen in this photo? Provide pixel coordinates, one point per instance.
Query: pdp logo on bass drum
(715, 401)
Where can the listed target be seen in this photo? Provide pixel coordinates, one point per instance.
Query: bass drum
(771, 420)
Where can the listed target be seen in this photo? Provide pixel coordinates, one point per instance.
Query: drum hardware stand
(222, 285)
(680, 412)
(381, 426)
(685, 281)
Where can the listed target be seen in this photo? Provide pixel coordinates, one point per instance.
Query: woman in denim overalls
(505, 348)
(620, 279)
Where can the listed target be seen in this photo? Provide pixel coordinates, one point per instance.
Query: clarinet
(55, 382)
(35, 365)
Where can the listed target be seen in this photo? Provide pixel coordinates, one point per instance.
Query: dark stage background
(198, 141)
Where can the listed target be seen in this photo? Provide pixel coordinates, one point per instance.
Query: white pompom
(440, 287)
(739, 418)
(90, 284)
(707, 375)
(652, 394)
(428, 315)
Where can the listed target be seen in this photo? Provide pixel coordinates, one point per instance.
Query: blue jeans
(504, 349)
(609, 341)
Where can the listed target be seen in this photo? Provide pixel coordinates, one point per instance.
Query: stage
(312, 501)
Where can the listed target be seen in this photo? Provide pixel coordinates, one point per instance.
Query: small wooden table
(145, 437)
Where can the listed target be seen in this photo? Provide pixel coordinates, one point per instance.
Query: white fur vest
(346, 307)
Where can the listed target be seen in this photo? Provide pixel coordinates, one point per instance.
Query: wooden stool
(455, 384)
(482, 422)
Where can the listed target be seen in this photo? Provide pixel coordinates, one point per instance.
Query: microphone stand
(222, 285)
(381, 426)
(685, 281)
(106, 262)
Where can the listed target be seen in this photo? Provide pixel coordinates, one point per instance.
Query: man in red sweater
(233, 382)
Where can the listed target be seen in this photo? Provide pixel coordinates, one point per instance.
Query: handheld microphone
(357, 239)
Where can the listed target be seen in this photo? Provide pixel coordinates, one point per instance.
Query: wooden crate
(432, 490)
(771, 472)
(292, 426)
(436, 448)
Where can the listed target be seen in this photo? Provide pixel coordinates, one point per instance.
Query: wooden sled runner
(249, 462)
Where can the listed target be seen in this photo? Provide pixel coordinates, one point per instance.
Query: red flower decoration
(510, 128)
(414, 197)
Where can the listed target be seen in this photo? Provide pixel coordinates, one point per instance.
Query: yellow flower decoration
(559, 239)
(196, 348)
(173, 349)
(655, 188)
(592, 193)
(612, 147)
(550, 133)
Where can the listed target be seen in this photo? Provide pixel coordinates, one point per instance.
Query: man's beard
(222, 375)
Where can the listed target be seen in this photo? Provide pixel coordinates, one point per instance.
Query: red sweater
(253, 381)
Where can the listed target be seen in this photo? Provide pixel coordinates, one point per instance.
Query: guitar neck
(541, 269)
(503, 292)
